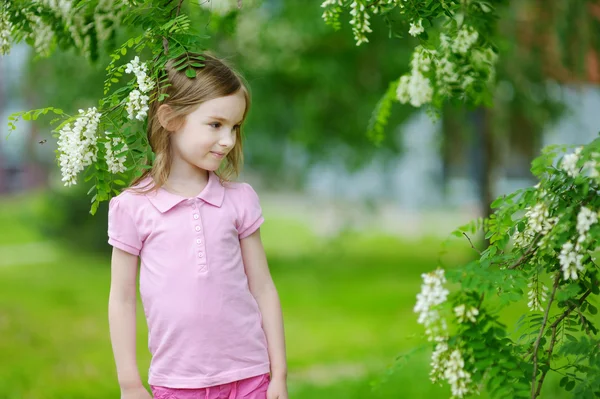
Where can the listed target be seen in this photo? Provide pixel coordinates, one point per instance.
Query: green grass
(347, 305)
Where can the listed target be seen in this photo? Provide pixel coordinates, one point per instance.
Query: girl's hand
(277, 389)
(135, 393)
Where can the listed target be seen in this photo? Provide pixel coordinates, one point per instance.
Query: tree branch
(529, 251)
(471, 242)
(536, 346)
(554, 327)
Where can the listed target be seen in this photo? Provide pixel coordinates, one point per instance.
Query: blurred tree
(313, 93)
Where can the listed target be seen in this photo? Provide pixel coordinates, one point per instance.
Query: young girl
(213, 313)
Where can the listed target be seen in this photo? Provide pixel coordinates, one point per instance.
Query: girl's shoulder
(240, 191)
(133, 195)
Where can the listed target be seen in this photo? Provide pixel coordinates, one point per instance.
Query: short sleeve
(252, 216)
(122, 231)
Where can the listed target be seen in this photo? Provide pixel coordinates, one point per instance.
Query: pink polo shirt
(204, 325)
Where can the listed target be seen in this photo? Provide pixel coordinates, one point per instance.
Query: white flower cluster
(463, 314)
(538, 222)
(115, 160)
(456, 375)
(432, 294)
(446, 364)
(330, 13)
(137, 104)
(42, 35)
(467, 36)
(571, 256)
(77, 145)
(590, 168)
(585, 219)
(570, 261)
(416, 28)
(106, 16)
(449, 365)
(416, 88)
(569, 163)
(5, 30)
(536, 295)
(360, 21)
(438, 360)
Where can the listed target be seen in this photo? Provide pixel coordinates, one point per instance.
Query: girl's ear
(166, 119)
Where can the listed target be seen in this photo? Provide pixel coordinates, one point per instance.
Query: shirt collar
(213, 193)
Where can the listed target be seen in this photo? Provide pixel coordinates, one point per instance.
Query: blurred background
(351, 225)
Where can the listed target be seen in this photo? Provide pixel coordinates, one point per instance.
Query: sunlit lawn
(347, 302)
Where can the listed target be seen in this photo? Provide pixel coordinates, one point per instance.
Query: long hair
(215, 79)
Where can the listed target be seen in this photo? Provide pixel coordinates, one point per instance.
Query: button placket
(199, 237)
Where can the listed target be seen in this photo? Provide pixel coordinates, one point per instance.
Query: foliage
(543, 246)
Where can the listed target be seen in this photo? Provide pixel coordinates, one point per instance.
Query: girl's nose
(228, 140)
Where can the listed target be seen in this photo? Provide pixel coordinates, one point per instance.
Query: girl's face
(209, 133)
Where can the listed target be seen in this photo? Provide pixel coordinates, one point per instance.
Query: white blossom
(539, 222)
(137, 105)
(144, 82)
(415, 89)
(5, 30)
(538, 219)
(432, 295)
(448, 364)
(569, 163)
(115, 160)
(570, 261)
(585, 219)
(446, 71)
(360, 21)
(438, 360)
(465, 39)
(416, 28)
(42, 35)
(463, 314)
(330, 13)
(456, 375)
(77, 145)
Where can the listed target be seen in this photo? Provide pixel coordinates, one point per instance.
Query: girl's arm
(264, 291)
(122, 318)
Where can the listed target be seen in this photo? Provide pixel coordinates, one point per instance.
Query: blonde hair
(215, 79)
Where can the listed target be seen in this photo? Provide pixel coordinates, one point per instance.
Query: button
(200, 254)
(193, 206)
(198, 241)
(198, 228)
(196, 216)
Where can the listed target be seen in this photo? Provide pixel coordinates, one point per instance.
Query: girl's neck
(186, 180)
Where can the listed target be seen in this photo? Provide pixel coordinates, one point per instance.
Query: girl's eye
(215, 125)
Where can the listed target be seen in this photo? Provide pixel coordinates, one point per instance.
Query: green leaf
(570, 385)
(190, 73)
(563, 381)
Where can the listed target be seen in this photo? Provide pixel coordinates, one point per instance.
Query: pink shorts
(249, 388)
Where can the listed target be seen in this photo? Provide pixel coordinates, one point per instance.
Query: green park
(428, 172)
